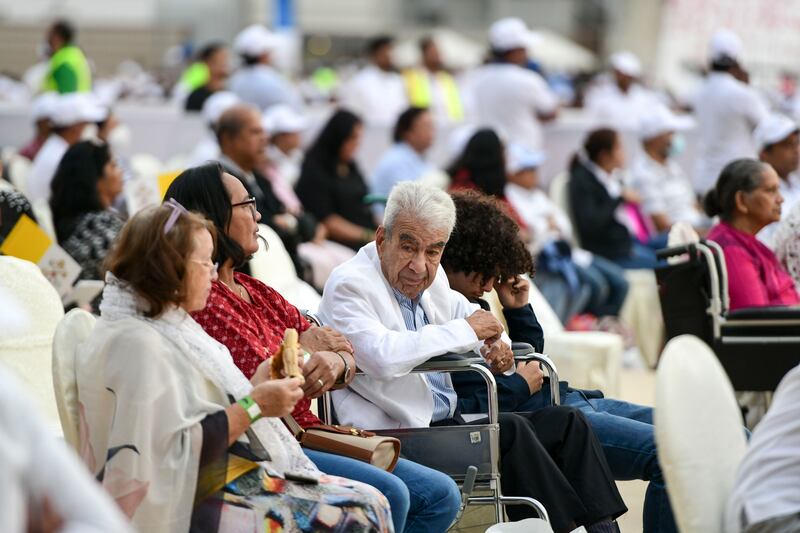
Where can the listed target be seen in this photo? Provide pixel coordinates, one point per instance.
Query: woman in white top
(171, 427)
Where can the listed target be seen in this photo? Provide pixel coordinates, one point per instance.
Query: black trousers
(552, 455)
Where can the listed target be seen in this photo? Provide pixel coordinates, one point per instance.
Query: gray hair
(429, 206)
(738, 175)
(232, 121)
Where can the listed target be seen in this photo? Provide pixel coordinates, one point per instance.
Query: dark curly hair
(485, 240)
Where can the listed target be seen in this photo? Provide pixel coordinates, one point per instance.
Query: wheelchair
(756, 346)
(468, 453)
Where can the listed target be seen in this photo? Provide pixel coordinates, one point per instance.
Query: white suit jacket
(359, 302)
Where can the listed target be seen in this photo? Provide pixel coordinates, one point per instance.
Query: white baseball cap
(724, 43)
(254, 41)
(43, 105)
(282, 118)
(216, 104)
(773, 129)
(626, 63)
(74, 108)
(510, 33)
(520, 158)
(661, 120)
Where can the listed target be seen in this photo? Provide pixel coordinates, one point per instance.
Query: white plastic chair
(73, 329)
(642, 312)
(587, 359)
(146, 166)
(27, 350)
(560, 195)
(699, 433)
(44, 217)
(274, 267)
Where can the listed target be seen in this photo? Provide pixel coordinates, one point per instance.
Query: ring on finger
(321, 384)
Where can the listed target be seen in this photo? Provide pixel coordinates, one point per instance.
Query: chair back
(73, 329)
(560, 195)
(44, 217)
(27, 350)
(274, 267)
(19, 168)
(699, 433)
(547, 317)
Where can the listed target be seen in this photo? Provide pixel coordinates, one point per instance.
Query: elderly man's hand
(499, 357)
(513, 293)
(325, 338)
(485, 326)
(322, 371)
(532, 373)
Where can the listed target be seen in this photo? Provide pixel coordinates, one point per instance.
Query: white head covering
(216, 104)
(521, 158)
(281, 118)
(661, 120)
(724, 43)
(43, 106)
(626, 63)
(510, 33)
(254, 41)
(773, 129)
(74, 108)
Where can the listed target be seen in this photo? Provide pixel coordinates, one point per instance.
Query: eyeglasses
(251, 203)
(212, 267)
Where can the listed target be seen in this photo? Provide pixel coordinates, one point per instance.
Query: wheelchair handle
(675, 250)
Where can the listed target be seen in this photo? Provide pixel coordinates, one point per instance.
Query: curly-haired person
(485, 252)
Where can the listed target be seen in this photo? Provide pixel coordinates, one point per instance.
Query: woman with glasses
(84, 188)
(250, 318)
(171, 428)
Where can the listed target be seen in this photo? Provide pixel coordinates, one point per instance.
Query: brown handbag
(377, 450)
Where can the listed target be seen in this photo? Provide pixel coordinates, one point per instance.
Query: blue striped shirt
(444, 395)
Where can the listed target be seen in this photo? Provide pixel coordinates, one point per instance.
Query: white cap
(43, 105)
(626, 63)
(661, 120)
(510, 33)
(773, 129)
(254, 41)
(724, 43)
(520, 158)
(216, 104)
(282, 118)
(74, 108)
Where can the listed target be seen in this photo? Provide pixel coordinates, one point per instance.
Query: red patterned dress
(253, 331)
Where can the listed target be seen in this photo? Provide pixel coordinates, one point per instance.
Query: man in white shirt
(766, 492)
(777, 139)
(665, 190)
(506, 95)
(727, 111)
(393, 303)
(405, 160)
(285, 125)
(44, 486)
(623, 102)
(376, 93)
(213, 108)
(257, 82)
(70, 115)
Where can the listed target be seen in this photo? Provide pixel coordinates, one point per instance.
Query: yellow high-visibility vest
(418, 88)
(69, 72)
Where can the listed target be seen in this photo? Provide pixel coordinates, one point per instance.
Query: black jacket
(593, 211)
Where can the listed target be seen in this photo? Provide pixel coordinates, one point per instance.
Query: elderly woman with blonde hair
(171, 427)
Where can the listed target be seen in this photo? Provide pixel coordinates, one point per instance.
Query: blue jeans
(644, 255)
(625, 431)
(608, 286)
(422, 499)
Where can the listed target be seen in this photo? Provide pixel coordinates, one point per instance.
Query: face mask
(119, 139)
(677, 146)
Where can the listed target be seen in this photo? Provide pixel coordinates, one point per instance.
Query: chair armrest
(525, 352)
(764, 313)
(448, 362)
(311, 317)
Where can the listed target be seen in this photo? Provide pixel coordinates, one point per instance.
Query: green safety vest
(419, 91)
(195, 76)
(69, 72)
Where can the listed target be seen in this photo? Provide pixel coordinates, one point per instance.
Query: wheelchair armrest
(311, 317)
(665, 253)
(448, 362)
(764, 313)
(525, 352)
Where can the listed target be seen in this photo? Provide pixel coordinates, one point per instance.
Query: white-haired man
(395, 306)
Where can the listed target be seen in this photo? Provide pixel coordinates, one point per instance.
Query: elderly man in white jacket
(394, 304)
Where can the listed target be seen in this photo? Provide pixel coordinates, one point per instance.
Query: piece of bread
(286, 358)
